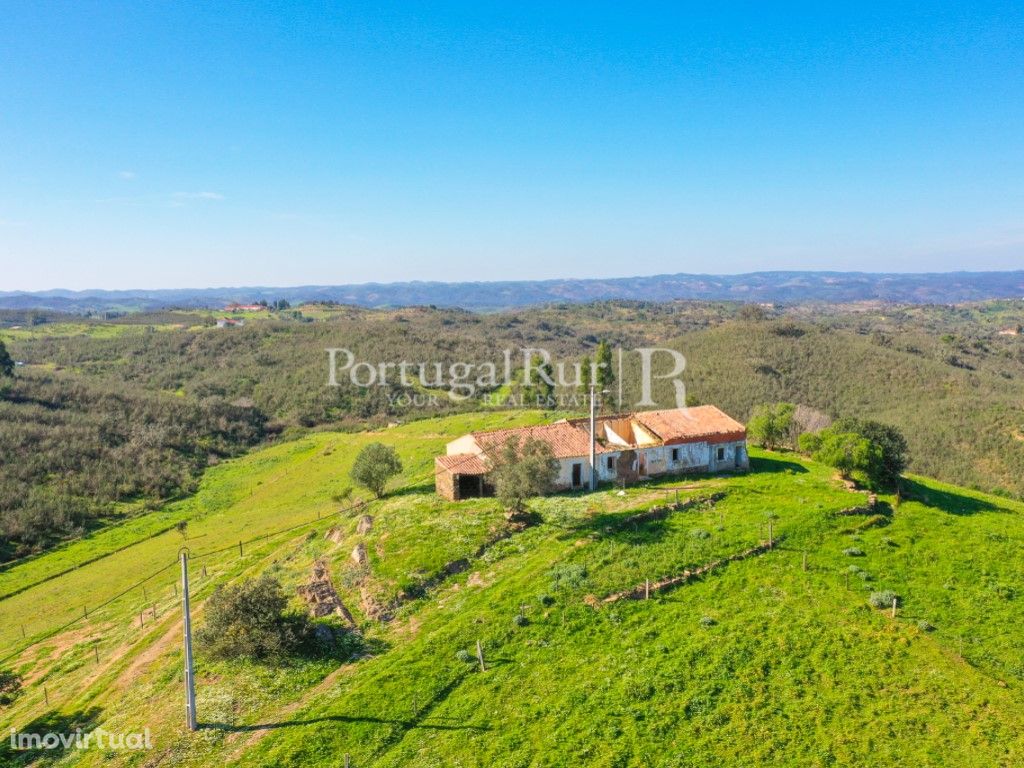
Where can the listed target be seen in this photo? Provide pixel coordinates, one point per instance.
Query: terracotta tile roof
(462, 464)
(686, 425)
(567, 440)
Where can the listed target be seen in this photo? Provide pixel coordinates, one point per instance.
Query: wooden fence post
(894, 607)
(805, 560)
(647, 589)
(480, 656)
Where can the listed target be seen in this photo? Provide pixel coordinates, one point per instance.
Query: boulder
(359, 554)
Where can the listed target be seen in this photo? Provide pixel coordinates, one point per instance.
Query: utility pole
(190, 682)
(593, 438)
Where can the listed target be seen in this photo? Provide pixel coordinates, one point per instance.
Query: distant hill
(774, 287)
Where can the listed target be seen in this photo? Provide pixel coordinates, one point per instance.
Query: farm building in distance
(628, 447)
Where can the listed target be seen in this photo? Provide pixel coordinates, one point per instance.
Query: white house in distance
(628, 447)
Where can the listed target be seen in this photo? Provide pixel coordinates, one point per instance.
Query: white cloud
(126, 175)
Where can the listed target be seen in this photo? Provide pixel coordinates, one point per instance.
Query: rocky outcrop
(359, 556)
(321, 597)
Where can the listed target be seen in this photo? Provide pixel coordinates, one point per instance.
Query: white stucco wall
(728, 452)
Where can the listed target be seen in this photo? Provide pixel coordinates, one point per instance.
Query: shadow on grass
(59, 723)
(763, 464)
(416, 721)
(953, 503)
(427, 486)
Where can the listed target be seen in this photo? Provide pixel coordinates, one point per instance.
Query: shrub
(463, 655)
(883, 599)
(848, 452)
(771, 425)
(924, 626)
(546, 600)
(374, 466)
(699, 533)
(520, 620)
(707, 621)
(10, 687)
(6, 362)
(570, 576)
(853, 552)
(250, 620)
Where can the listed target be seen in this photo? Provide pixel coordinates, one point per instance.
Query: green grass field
(760, 662)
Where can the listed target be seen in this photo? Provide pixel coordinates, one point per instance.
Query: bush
(707, 621)
(924, 626)
(883, 599)
(853, 552)
(546, 600)
(699, 533)
(250, 620)
(771, 425)
(10, 687)
(569, 576)
(520, 620)
(463, 655)
(374, 466)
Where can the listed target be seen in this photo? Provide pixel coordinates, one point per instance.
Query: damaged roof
(687, 425)
(565, 439)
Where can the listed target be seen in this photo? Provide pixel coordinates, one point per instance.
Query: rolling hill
(776, 657)
(780, 286)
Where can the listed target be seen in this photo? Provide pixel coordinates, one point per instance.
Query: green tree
(251, 621)
(6, 363)
(771, 425)
(519, 472)
(848, 452)
(893, 453)
(374, 466)
(605, 373)
(541, 388)
(586, 372)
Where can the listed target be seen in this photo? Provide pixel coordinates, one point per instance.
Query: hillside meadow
(759, 661)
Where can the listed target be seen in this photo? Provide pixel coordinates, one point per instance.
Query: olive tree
(375, 465)
(251, 620)
(519, 471)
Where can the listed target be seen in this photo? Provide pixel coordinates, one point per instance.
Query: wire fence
(91, 611)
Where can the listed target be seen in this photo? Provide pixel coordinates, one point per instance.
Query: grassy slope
(796, 670)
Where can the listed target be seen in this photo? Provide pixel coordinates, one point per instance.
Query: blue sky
(186, 145)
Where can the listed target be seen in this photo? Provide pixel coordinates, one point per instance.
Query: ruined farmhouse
(628, 447)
